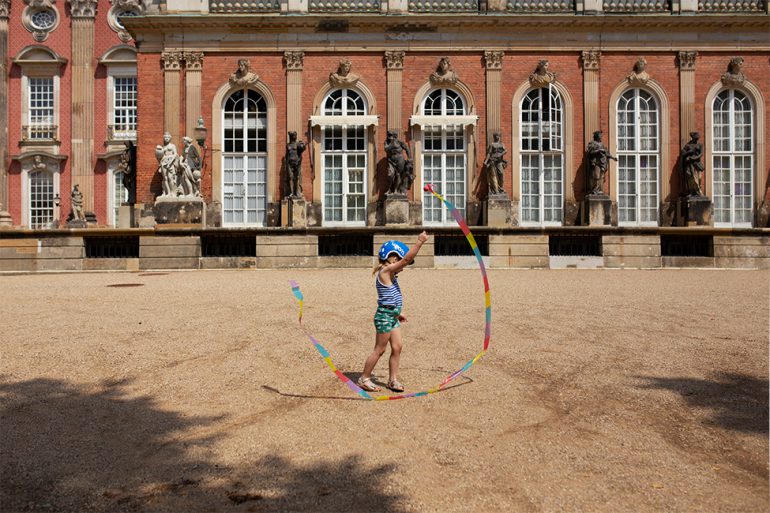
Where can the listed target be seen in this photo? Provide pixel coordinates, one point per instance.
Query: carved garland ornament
(542, 77)
(395, 59)
(40, 17)
(734, 76)
(639, 77)
(295, 60)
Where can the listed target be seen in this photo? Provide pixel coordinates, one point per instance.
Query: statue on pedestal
(190, 169)
(126, 165)
(598, 162)
(400, 169)
(495, 165)
(294, 151)
(692, 168)
(76, 201)
(168, 158)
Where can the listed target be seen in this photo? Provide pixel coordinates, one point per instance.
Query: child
(394, 256)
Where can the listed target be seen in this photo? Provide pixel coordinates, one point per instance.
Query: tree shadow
(738, 402)
(68, 447)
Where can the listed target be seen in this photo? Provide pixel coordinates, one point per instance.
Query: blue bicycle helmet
(393, 246)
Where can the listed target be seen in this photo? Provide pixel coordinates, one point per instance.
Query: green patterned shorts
(386, 319)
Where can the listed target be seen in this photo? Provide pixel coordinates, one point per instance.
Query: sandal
(395, 385)
(368, 385)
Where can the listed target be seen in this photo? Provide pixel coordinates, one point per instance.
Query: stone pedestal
(294, 212)
(695, 211)
(179, 210)
(497, 211)
(125, 216)
(396, 210)
(6, 221)
(77, 223)
(597, 210)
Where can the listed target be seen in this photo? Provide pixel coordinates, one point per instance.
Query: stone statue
(168, 159)
(39, 164)
(343, 76)
(495, 165)
(126, 165)
(400, 169)
(542, 77)
(190, 169)
(444, 73)
(76, 199)
(639, 77)
(692, 168)
(598, 161)
(734, 75)
(243, 75)
(294, 152)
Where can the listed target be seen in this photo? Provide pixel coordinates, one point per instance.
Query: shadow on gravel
(738, 402)
(97, 448)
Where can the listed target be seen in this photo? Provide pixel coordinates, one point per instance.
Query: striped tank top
(388, 295)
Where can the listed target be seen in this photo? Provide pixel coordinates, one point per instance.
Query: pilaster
(686, 62)
(83, 13)
(5, 6)
(172, 66)
(295, 61)
(394, 66)
(590, 60)
(493, 61)
(193, 74)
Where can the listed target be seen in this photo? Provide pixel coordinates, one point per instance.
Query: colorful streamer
(487, 328)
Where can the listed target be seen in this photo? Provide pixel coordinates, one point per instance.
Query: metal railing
(121, 133)
(33, 133)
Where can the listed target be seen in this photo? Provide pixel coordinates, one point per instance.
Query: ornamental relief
(5, 8)
(40, 18)
(83, 8)
(295, 60)
(590, 60)
(493, 59)
(395, 59)
(123, 8)
(687, 60)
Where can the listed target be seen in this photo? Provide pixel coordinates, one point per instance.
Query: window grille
(41, 199)
(124, 108)
(228, 245)
(111, 247)
(457, 245)
(575, 245)
(687, 245)
(41, 109)
(345, 245)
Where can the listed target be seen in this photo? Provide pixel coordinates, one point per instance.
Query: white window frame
(443, 121)
(732, 154)
(245, 155)
(26, 212)
(114, 72)
(347, 121)
(637, 154)
(26, 107)
(112, 207)
(558, 136)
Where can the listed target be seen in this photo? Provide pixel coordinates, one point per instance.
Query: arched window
(638, 158)
(733, 155)
(343, 156)
(41, 199)
(542, 157)
(443, 154)
(244, 159)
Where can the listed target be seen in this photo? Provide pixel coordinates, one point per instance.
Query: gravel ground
(603, 391)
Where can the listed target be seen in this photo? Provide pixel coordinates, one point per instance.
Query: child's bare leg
(395, 353)
(380, 344)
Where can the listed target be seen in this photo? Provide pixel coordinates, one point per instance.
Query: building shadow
(103, 448)
(737, 402)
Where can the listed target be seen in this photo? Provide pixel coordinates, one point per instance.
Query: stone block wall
(278, 251)
(529, 251)
(632, 251)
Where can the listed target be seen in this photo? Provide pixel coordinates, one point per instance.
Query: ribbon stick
(487, 327)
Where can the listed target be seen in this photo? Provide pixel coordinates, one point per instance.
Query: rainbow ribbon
(487, 328)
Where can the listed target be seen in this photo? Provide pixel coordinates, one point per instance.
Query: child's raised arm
(397, 266)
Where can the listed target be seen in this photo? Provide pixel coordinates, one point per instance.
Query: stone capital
(5, 7)
(493, 59)
(172, 61)
(295, 60)
(590, 60)
(395, 59)
(687, 61)
(193, 61)
(83, 8)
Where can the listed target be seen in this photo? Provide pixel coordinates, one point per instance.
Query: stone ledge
(169, 263)
(634, 262)
(526, 262)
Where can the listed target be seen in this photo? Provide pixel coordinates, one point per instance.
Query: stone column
(172, 66)
(394, 65)
(590, 60)
(192, 78)
(494, 64)
(5, 217)
(83, 14)
(295, 61)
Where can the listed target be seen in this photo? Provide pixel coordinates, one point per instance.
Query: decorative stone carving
(687, 60)
(295, 60)
(190, 173)
(40, 18)
(76, 202)
(590, 60)
(639, 77)
(495, 165)
(83, 8)
(692, 167)
(734, 75)
(444, 74)
(123, 8)
(395, 59)
(193, 60)
(400, 169)
(38, 4)
(168, 160)
(542, 77)
(5, 8)
(38, 164)
(172, 61)
(294, 152)
(493, 59)
(343, 76)
(243, 76)
(598, 163)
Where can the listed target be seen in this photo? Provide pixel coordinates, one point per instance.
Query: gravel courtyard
(603, 391)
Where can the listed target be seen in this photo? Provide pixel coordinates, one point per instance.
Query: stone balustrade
(243, 6)
(344, 6)
(540, 6)
(722, 6)
(641, 6)
(428, 6)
